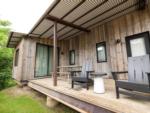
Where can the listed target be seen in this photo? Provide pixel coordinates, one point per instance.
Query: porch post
(55, 55)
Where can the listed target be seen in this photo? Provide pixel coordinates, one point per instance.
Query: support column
(55, 55)
(51, 102)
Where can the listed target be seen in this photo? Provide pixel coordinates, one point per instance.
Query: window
(16, 57)
(138, 45)
(101, 52)
(72, 57)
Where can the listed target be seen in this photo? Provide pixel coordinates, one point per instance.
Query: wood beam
(95, 16)
(99, 21)
(55, 55)
(83, 15)
(52, 18)
(53, 5)
(63, 17)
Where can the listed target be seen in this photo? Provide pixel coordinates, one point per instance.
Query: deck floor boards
(126, 104)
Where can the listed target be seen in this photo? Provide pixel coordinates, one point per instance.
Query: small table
(99, 82)
(69, 69)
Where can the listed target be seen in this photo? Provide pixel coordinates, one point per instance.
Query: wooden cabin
(69, 34)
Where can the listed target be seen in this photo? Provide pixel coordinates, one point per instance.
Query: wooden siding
(17, 70)
(30, 55)
(85, 44)
(27, 51)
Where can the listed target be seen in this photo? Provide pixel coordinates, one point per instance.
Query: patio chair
(83, 78)
(138, 75)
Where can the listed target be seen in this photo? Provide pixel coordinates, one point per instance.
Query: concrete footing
(51, 102)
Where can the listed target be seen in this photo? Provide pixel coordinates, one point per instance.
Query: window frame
(70, 52)
(16, 58)
(98, 45)
(144, 35)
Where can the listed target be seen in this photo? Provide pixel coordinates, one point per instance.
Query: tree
(6, 54)
(4, 31)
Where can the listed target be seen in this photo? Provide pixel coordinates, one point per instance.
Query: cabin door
(43, 65)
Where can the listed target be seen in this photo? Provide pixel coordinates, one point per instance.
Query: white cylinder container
(99, 85)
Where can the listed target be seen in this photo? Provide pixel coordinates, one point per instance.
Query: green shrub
(5, 68)
(6, 55)
(4, 78)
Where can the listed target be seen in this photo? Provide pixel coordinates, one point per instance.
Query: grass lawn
(25, 100)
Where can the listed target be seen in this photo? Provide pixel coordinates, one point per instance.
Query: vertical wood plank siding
(17, 70)
(30, 55)
(85, 44)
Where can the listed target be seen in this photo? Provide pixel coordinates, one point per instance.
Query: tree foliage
(6, 54)
(4, 23)
(4, 31)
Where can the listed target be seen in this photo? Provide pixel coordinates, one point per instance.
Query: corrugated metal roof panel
(84, 13)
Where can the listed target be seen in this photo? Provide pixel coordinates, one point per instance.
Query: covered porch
(83, 99)
(90, 31)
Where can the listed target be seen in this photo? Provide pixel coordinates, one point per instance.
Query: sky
(23, 14)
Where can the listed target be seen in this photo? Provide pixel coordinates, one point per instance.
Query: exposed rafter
(101, 20)
(97, 6)
(52, 18)
(47, 12)
(98, 16)
(64, 16)
(77, 16)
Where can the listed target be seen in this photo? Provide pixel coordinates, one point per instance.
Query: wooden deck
(126, 104)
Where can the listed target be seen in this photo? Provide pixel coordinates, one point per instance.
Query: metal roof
(14, 39)
(83, 13)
